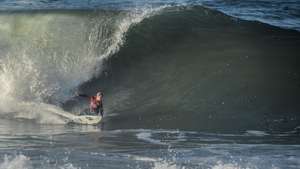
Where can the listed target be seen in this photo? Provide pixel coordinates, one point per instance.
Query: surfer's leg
(97, 110)
(101, 112)
(93, 111)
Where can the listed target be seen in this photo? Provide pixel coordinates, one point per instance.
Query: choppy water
(40, 146)
(188, 84)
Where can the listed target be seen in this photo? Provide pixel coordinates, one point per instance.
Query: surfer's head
(99, 93)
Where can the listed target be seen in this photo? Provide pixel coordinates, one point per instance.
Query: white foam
(68, 166)
(18, 162)
(166, 165)
(147, 136)
(147, 159)
(221, 165)
(40, 112)
(256, 133)
(24, 162)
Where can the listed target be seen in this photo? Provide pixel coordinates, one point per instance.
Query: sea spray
(17, 162)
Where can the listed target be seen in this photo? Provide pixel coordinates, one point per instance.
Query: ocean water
(208, 84)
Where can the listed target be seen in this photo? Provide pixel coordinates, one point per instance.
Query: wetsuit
(96, 105)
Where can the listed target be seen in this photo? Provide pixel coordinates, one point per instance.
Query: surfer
(96, 103)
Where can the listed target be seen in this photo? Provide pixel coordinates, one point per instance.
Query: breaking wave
(46, 55)
(182, 67)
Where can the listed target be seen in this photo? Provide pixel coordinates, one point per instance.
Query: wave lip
(282, 13)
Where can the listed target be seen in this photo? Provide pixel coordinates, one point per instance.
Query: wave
(45, 55)
(197, 69)
(185, 67)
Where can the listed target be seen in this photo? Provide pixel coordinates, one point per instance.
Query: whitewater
(187, 84)
(45, 59)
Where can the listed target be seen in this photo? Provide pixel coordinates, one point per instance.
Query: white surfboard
(86, 119)
(78, 119)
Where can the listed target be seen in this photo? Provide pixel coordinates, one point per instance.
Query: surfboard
(86, 119)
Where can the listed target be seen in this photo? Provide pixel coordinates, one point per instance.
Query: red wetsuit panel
(93, 102)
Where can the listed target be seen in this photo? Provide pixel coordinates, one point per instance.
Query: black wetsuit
(99, 109)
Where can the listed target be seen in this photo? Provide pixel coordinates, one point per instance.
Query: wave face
(198, 69)
(45, 55)
(185, 67)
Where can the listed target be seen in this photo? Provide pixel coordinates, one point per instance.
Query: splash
(24, 162)
(165, 165)
(18, 162)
